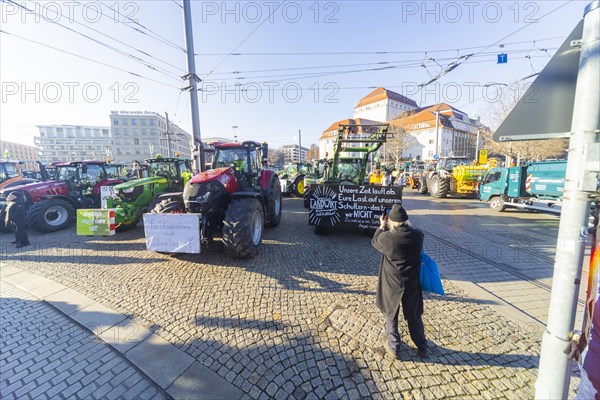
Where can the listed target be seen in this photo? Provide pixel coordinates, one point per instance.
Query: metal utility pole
(168, 134)
(299, 145)
(437, 132)
(193, 80)
(580, 184)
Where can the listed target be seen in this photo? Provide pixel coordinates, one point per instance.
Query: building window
(116, 122)
(105, 132)
(430, 141)
(125, 121)
(143, 131)
(151, 122)
(136, 141)
(143, 122)
(133, 121)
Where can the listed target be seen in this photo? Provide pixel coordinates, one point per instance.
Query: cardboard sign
(105, 193)
(93, 222)
(283, 183)
(172, 233)
(361, 206)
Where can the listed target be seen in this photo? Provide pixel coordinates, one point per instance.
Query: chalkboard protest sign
(94, 222)
(172, 233)
(360, 206)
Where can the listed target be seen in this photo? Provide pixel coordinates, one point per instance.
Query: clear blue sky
(44, 86)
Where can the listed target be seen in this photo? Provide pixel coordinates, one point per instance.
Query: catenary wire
(87, 58)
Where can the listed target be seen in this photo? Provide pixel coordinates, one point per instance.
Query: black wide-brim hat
(398, 214)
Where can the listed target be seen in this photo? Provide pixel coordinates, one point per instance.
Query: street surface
(299, 320)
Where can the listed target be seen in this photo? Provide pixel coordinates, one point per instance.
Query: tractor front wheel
(243, 227)
(439, 187)
(298, 186)
(51, 215)
(275, 203)
(169, 205)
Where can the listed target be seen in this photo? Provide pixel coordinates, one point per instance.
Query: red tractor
(236, 198)
(52, 204)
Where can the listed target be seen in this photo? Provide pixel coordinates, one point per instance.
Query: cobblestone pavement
(299, 320)
(46, 355)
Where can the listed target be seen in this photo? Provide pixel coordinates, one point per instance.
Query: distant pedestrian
(400, 180)
(16, 216)
(376, 177)
(399, 279)
(387, 179)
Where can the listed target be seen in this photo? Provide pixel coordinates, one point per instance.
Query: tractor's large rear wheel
(169, 205)
(423, 189)
(298, 186)
(243, 227)
(438, 186)
(275, 203)
(51, 215)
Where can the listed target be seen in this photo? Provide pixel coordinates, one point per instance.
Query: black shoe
(14, 242)
(21, 245)
(423, 351)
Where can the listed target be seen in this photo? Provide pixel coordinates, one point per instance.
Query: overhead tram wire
(126, 44)
(119, 51)
(374, 52)
(244, 39)
(156, 36)
(362, 64)
(88, 59)
(288, 77)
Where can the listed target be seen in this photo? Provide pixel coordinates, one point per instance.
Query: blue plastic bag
(430, 275)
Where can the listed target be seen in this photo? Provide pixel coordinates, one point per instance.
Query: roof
(382, 94)
(426, 115)
(349, 121)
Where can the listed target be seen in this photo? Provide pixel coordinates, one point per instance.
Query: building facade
(17, 151)
(138, 135)
(294, 153)
(383, 105)
(73, 143)
(440, 130)
(329, 136)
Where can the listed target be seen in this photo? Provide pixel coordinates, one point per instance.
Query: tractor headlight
(203, 197)
(128, 190)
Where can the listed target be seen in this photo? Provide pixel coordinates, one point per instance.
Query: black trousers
(20, 232)
(415, 329)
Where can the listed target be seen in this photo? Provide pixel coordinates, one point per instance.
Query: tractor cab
(84, 179)
(177, 171)
(245, 158)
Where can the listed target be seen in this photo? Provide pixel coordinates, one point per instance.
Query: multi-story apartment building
(20, 152)
(142, 134)
(72, 143)
(294, 153)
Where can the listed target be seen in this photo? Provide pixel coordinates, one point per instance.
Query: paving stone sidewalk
(45, 355)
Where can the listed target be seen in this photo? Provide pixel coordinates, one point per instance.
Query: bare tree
(397, 144)
(313, 152)
(496, 112)
(275, 157)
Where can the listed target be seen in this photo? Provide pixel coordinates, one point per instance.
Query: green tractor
(292, 178)
(360, 140)
(166, 177)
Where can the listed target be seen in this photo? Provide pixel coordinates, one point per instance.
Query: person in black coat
(16, 216)
(399, 278)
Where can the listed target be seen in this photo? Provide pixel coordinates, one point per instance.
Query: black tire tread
(237, 229)
(35, 219)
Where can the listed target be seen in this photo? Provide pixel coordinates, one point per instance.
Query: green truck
(166, 176)
(534, 186)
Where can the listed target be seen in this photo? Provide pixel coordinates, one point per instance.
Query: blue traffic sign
(502, 58)
(436, 156)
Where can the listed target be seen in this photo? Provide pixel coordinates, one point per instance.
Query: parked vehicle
(52, 204)
(166, 176)
(11, 174)
(455, 176)
(292, 178)
(235, 199)
(536, 182)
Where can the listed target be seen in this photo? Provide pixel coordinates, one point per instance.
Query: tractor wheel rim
(56, 216)
(301, 187)
(256, 228)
